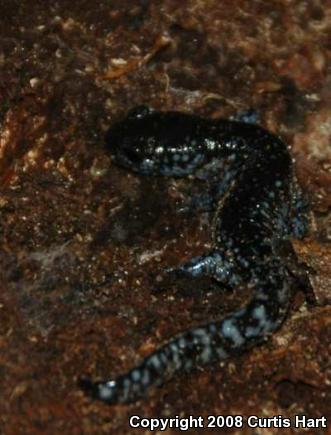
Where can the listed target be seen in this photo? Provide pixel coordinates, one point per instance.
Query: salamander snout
(129, 149)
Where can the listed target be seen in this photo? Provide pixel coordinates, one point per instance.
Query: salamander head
(156, 143)
(132, 142)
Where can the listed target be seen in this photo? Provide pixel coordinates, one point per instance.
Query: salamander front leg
(203, 202)
(203, 196)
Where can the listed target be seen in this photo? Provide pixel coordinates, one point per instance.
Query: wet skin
(259, 208)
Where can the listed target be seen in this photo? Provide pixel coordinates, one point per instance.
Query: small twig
(160, 43)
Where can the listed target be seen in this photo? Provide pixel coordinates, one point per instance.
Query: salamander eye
(132, 154)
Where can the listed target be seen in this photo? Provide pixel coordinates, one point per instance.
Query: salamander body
(259, 207)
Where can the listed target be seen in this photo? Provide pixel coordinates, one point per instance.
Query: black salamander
(259, 207)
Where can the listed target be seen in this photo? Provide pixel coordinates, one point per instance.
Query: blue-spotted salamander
(259, 207)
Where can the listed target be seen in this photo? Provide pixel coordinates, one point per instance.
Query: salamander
(259, 208)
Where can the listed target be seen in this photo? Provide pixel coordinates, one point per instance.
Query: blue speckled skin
(258, 208)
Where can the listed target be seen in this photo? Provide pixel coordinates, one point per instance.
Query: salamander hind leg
(213, 265)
